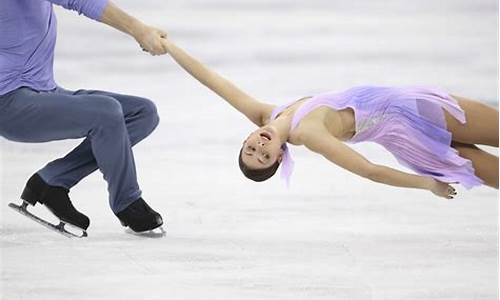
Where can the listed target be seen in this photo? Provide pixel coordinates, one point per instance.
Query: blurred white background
(332, 235)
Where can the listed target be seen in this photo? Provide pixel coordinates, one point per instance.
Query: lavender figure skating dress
(407, 121)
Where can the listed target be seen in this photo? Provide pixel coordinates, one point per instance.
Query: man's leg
(141, 119)
(30, 116)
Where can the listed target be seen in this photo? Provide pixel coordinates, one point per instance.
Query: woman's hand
(442, 189)
(150, 39)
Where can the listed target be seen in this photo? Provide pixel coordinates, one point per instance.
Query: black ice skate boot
(56, 199)
(34, 189)
(140, 217)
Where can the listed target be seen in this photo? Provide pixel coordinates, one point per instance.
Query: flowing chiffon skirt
(407, 121)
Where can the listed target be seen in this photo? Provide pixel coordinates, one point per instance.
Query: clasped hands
(151, 39)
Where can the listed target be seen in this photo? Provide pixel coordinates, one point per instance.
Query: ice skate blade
(73, 227)
(158, 232)
(22, 209)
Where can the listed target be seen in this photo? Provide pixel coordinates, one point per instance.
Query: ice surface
(332, 235)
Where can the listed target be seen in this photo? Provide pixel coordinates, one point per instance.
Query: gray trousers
(110, 123)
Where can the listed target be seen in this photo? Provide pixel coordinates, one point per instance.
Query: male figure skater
(33, 108)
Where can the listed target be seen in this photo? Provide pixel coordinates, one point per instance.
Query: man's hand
(150, 39)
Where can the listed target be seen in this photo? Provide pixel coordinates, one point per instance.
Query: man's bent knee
(150, 113)
(108, 110)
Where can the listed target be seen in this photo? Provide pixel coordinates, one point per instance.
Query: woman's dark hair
(257, 174)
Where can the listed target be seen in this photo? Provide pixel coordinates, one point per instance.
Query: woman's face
(262, 148)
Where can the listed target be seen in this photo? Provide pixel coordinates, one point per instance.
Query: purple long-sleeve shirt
(28, 37)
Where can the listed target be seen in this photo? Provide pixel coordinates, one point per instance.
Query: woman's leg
(481, 125)
(484, 163)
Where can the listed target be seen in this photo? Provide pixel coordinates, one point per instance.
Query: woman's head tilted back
(261, 154)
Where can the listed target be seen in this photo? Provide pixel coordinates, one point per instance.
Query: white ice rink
(332, 235)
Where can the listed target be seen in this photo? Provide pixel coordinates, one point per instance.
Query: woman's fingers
(163, 44)
(163, 33)
(443, 189)
(451, 192)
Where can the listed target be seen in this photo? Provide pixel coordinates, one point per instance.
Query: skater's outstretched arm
(105, 11)
(322, 142)
(254, 110)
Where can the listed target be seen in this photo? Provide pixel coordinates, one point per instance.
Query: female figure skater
(426, 129)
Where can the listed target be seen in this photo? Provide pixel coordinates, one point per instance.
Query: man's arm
(90, 8)
(149, 38)
(321, 141)
(254, 110)
(105, 11)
